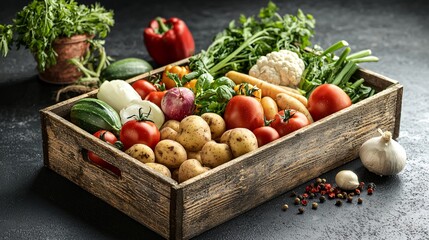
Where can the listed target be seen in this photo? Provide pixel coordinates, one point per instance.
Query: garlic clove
(347, 180)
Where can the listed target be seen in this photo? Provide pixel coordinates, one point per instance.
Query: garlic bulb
(347, 180)
(382, 155)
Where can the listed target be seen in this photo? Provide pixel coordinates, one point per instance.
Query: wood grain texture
(182, 211)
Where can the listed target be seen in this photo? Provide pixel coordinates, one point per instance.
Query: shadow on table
(88, 208)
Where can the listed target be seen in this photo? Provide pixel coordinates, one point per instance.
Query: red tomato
(143, 88)
(327, 99)
(139, 131)
(109, 138)
(265, 135)
(155, 97)
(245, 112)
(287, 121)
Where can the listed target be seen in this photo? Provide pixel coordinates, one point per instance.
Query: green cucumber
(92, 114)
(125, 68)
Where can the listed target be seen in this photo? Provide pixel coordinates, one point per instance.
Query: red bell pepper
(168, 41)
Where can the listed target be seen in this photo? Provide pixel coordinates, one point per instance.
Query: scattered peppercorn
(297, 201)
(338, 203)
(285, 207)
(322, 190)
(314, 205)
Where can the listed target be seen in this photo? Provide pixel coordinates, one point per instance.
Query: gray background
(36, 203)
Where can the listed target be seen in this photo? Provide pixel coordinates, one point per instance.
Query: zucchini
(125, 68)
(92, 114)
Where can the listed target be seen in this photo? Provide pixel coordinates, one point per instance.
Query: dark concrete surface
(36, 203)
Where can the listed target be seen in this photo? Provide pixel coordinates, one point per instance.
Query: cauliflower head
(281, 68)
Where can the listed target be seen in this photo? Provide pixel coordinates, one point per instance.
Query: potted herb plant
(56, 31)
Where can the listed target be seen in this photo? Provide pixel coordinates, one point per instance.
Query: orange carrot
(268, 89)
(270, 107)
(285, 101)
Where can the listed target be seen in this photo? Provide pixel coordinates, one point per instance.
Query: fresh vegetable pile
(258, 81)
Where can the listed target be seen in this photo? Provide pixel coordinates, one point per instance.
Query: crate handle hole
(102, 164)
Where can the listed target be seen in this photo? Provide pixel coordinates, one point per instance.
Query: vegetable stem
(336, 46)
(249, 41)
(360, 54)
(365, 59)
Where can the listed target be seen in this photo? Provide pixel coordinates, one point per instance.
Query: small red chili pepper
(331, 195)
(168, 41)
(357, 191)
(370, 191)
(304, 202)
(305, 195)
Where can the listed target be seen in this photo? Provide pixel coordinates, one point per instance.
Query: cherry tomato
(143, 87)
(287, 121)
(327, 99)
(155, 97)
(265, 135)
(245, 112)
(139, 131)
(109, 138)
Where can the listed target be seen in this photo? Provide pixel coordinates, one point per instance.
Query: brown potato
(194, 132)
(170, 153)
(141, 152)
(214, 154)
(173, 124)
(194, 155)
(175, 174)
(189, 169)
(168, 133)
(240, 140)
(216, 123)
(160, 168)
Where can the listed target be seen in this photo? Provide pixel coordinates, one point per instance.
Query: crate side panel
(249, 181)
(136, 193)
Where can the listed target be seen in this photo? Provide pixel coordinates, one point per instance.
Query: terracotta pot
(65, 72)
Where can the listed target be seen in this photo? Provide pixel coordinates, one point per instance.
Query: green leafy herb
(212, 95)
(240, 45)
(41, 22)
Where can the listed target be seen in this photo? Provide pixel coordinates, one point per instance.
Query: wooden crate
(182, 211)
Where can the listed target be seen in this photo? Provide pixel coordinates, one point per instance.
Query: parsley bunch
(41, 22)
